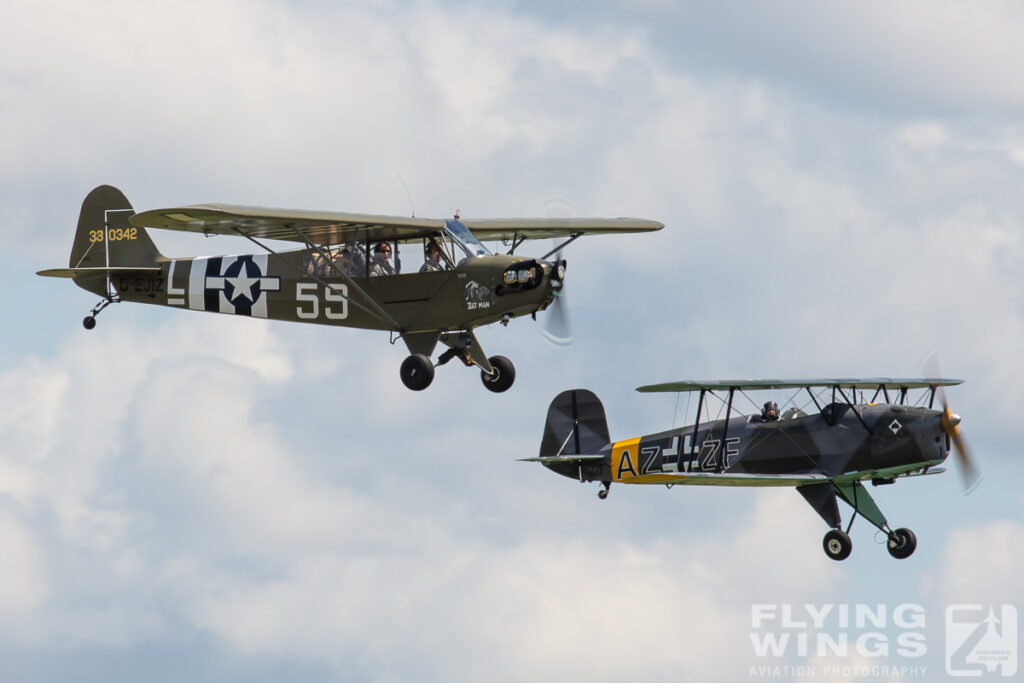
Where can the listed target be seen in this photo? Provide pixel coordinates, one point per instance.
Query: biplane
(348, 272)
(827, 453)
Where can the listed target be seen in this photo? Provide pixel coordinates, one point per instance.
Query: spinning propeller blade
(969, 471)
(557, 329)
(968, 467)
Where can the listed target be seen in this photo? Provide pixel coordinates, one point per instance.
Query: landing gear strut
(464, 346)
(89, 321)
(823, 498)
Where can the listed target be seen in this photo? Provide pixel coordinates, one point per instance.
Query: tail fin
(576, 425)
(105, 240)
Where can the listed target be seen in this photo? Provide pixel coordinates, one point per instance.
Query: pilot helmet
(770, 410)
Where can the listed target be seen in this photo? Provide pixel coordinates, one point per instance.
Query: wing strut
(722, 464)
(516, 241)
(562, 245)
(381, 315)
(696, 423)
(852, 407)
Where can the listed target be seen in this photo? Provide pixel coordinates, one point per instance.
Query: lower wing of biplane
(346, 271)
(827, 454)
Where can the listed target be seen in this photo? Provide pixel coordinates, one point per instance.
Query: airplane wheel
(89, 322)
(502, 377)
(417, 372)
(837, 544)
(902, 544)
(602, 494)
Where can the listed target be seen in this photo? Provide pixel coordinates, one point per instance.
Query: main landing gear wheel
(89, 322)
(417, 372)
(902, 543)
(502, 377)
(837, 544)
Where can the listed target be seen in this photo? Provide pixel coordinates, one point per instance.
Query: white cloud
(981, 564)
(25, 583)
(198, 510)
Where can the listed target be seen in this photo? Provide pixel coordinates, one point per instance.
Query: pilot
(381, 264)
(432, 258)
(770, 412)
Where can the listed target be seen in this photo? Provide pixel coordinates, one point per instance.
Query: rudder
(576, 424)
(105, 239)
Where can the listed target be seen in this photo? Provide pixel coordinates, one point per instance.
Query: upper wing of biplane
(842, 382)
(325, 227)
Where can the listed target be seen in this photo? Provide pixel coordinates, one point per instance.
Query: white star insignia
(243, 285)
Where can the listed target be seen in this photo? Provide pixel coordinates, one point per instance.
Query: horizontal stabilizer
(564, 458)
(85, 272)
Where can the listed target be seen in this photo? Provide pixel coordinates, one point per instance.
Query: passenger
(381, 264)
(433, 259)
(770, 412)
(315, 264)
(351, 261)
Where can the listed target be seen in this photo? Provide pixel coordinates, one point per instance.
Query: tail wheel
(89, 322)
(902, 543)
(417, 372)
(837, 544)
(502, 377)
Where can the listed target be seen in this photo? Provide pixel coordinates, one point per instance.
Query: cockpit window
(466, 240)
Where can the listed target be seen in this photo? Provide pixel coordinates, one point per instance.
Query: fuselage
(289, 286)
(869, 441)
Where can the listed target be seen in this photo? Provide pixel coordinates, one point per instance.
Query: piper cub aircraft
(827, 454)
(343, 274)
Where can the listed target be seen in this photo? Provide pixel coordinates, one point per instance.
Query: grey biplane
(343, 273)
(827, 454)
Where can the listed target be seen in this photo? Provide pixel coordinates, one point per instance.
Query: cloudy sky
(200, 497)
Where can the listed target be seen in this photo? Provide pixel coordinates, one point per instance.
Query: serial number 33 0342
(114, 234)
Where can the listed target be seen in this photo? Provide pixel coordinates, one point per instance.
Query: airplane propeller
(557, 329)
(969, 471)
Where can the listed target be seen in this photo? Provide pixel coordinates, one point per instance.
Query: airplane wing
(845, 382)
(325, 227)
(321, 227)
(487, 229)
(725, 479)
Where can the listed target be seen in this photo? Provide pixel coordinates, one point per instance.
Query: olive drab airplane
(826, 454)
(343, 274)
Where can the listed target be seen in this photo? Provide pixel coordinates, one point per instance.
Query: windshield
(466, 240)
